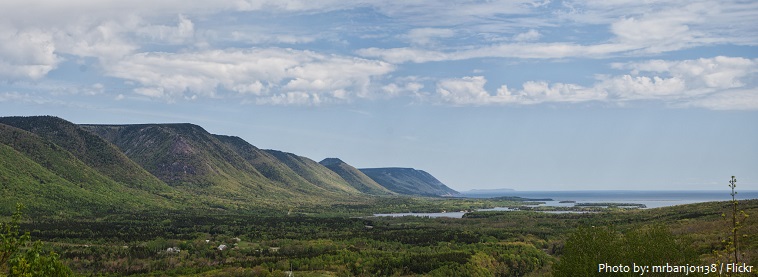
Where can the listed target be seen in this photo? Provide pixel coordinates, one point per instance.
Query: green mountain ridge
(90, 149)
(48, 178)
(190, 159)
(408, 181)
(355, 177)
(313, 172)
(297, 172)
(53, 165)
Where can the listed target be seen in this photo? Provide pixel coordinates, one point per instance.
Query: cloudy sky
(531, 95)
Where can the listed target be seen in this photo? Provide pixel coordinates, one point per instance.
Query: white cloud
(530, 35)
(471, 91)
(181, 33)
(713, 83)
(464, 91)
(26, 54)
(640, 28)
(643, 87)
(16, 97)
(122, 35)
(655, 34)
(284, 75)
(106, 40)
(539, 92)
(408, 88)
(717, 72)
(505, 50)
(257, 36)
(681, 79)
(403, 55)
(290, 98)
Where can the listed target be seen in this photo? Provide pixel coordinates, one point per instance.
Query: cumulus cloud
(656, 79)
(463, 91)
(643, 87)
(398, 89)
(713, 83)
(26, 54)
(717, 72)
(281, 75)
(106, 40)
(471, 91)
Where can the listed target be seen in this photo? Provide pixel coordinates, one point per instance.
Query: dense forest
(492, 243)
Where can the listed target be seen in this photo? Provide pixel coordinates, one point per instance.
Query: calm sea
(652, 199)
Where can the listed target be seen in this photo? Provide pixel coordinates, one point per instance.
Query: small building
(222, 247)
(173, 250)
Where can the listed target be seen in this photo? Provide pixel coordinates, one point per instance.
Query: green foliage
(331, 244)
(49, 179)
(354, 177)
(90, 149)
(588, 247)
(585, 249)
(314, 172)
(460, 270)
(19, 258)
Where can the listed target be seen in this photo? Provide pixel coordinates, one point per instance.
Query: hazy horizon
(528, 95)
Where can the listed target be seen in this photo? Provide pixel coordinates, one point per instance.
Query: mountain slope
(408, 181)
(314, 172)
(187, 157)
(49, 179)
(354, 177)
(90, 149)
(227, 171)
(276, 171)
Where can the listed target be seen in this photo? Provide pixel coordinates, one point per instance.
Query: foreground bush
(587, 248)
(20, 257)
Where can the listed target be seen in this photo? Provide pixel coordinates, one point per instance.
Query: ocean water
(651, 199)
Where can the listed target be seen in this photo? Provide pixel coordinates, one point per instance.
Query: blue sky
(531, 95)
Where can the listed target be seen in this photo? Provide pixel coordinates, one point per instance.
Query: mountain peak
(331, 161)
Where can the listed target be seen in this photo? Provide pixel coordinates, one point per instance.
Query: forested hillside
(172, 166)
(355, 177)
